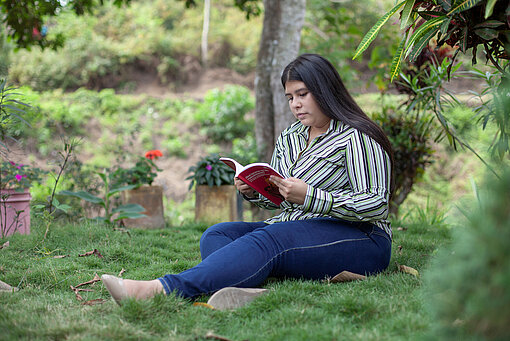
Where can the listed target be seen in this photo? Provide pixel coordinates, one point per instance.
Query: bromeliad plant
(112, 215)
(209, 170)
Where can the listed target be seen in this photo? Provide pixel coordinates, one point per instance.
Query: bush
(222, 114)
(411, 137)
(467, 285)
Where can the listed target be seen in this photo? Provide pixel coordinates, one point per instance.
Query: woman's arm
(368, 170)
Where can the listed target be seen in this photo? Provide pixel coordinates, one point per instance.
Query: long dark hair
(326, 86)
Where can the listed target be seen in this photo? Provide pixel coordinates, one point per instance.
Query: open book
(256, 175)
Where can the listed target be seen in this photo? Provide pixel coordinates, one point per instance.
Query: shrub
(466, 287)
(411, 137)
(222, 114)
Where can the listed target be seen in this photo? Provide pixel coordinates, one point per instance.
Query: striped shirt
(347, 172)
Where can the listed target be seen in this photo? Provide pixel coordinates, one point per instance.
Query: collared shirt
(347, 173)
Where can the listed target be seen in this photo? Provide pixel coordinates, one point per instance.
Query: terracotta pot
(150, 198)
(216, 204)
(14, 212)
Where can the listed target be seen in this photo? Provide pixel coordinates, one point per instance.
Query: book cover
(256, 175)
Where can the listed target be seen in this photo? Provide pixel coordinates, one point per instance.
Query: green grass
(387, 306)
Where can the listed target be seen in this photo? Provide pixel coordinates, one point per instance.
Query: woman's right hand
(244, 188)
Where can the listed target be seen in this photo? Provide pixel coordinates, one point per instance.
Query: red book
(256, 175)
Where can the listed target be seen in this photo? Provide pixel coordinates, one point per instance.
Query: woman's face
(304, 107)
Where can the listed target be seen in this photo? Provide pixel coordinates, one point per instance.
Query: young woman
(337, 165)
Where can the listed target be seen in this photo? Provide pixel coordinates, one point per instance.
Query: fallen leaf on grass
(121, 272)
(211, 335)
(401, 228)
(408, 270)
(92, 281)
(400, 249)
(347, 276)
(94, 302)
(90, 253)
(202, 304)
(61, 256)
(4, 245)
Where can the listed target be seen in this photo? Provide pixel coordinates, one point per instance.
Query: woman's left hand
(292, 189)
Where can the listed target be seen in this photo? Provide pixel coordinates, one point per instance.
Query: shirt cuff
(318, 201)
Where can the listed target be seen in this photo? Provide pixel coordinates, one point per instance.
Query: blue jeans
(244, 254)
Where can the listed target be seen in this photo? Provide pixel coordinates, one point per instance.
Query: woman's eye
(303, 94)
(289, 99)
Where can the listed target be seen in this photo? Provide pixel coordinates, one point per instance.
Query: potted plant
(216, 198)
(145, 193)
(15, 182)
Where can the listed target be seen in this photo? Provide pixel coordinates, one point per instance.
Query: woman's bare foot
(126, 288)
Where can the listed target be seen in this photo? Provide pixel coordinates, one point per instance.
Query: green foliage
(465, 24)
(410, 134)
(11, 111)
(495, 108)
(222, 114)
(329, 25)
(112, 45)
(18, 176)
(467, 284)
(210, 171)
(143, 172)
(107, 123)
(112, 215)
(24, 20)
(244, 149)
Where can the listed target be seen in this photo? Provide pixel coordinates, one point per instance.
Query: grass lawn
(383, 307)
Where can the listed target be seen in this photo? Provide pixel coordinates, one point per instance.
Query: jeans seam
(294, 249)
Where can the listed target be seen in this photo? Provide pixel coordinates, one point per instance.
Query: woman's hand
(292, 189)
(244, 188)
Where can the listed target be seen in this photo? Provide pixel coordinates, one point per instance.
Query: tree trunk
(279, 44)
(205, 31)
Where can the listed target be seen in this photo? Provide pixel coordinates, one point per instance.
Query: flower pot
(14, 212)
(150, 198)
(216, 204)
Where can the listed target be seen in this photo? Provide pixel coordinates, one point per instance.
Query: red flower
(153, 154)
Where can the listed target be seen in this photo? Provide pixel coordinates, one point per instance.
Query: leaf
(489, 7)
(489, 24)
(347, 276)
(202, 304)
(423, 29)
(129, 215)
(372, 33)
(131, 208)
(83, 195)
(408, 270)
(421, 44)
(396, 63)
(464, 39)
(120, 189)
(487, 33)
(446, 4)
(428, 15)
(90, 253)
(463, 5)
(406, 13)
